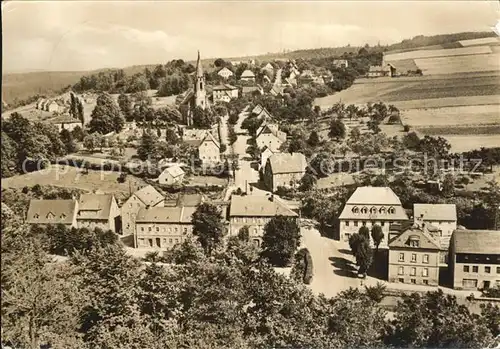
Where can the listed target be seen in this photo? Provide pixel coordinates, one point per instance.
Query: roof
(51, 211)
(98, 206)
(210, 137)
(194, 134)
(190, 200)
(199, 67)
(287, 162)
(174, 171)
(149, 195)
(249, 89)
(225, 69)
(435, 212)
(257, 109)
(224, 87)
(273, 129)
(476, 241)
(264, 113)
(374, 195)
(64, 119)
(426, 241)
(248, 74)
(258, 205)
(165, 214)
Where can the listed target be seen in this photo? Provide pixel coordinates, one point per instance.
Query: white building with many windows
(368, 206)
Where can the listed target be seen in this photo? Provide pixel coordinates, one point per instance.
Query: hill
(21, 86)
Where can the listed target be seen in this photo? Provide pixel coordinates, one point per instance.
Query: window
(149, 228)
(401, 257)
(498, 270)
(364, 210)
(401, 280)
(140, 242)
(176, 241)
(425, 272)
(475, 269)
(425, 259)
(487, 270)
(401, 270)
(364, 224)
(469, 283)
(382, 210)
(426, 282)
(373, 210)
(157, 228)
(382, 224)
(413, 271)
(391, 210)
(170, 241)
(355, 209)
(347, 223)
(414, 258)
(142, 228)
(466, 268)
(414, 242)
(413, 281)
(355, 223)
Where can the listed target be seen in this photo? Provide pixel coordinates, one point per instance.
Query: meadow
(458, 64)
(461, 115)
(474, 50)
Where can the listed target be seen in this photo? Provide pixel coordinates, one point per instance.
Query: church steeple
(199, 67)
(199, 85)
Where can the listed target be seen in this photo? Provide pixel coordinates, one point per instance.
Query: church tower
(200, 94)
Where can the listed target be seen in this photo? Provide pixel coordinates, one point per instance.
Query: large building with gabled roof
(284, 170)
(98, 211)
(255, 211)
(368, 206)
(45, 212)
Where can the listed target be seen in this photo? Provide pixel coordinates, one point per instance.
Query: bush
(406, 128)
(302, 269)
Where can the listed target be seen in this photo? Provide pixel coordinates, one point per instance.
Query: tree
(67, 139)
(355, 134)
(203, 118)
(364, 232)
(376, 293)
(92, 141)
(281, 239)
(9, 155)
(125, 105)
(208, 226)
(337, 129)
(302, 269)
(78, 134)
(364, 256)
(436, 147)
(449, 185)
(377, 235)
(219, 63)
(106, 116)
(171, 136)
(307, 182)
(148, 146)
(244, 234)
(313, 140)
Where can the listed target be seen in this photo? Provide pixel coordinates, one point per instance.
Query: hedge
(303, 266)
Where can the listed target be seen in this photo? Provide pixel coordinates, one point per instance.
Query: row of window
(254, 220)
(413, 281)
(425, 258)
(413, 271)
(374, 210)
(158, 242)
(356, 223)
(475, 269)
(165, 229)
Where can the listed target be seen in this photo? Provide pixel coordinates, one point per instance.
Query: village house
(441, 218)
(98, 211)
(44, 212)
(474, 259)
(268, 67)
(255, 211)
(208, 147)
(171, 175)
(265, 153)
(262, 113)
(65, 122)
(284, 170)
(376, 71)
(247, 75)
(225, 72)
(341, 63)
(270, 136)
(414, 257)
(224, 93)
(250, 90)
(368, 206)
(163, 227)
(145, 197)
(52, 107)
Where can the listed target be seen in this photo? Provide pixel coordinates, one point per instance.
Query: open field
(448, 102)
(474, 50)
(461, 143)
(461, 130)
(458, 64)
(72, 177)
(462, 115)
(483, 41)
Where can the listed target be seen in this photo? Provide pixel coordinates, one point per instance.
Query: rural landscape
(341, 194)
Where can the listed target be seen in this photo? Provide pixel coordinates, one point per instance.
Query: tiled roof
(257, 109)
(190, 200)
(51, 211)
(264, 114)
(476, 241)
(165, 215)
(271, 128)
(224, 70)
(174, 171)
(96, 206)
(224, 87)
(258, 206)
(149, 196)
(435, 212)
(426, 241)
(250, 89)
(287, 163)
(248, 74)
(374, 195)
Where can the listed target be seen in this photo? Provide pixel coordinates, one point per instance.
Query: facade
(474, 259)
(284, 170)
(247, 75)
(254, 211)
(225, 72)
(224, 93)
(270, 136)
(98, 211)
(368, 206)
(66, 122)
(44, 212)
(171, 175)
(414, 257)
(145, 197)
(209, 149)
(160, 228)
(441, 216)
(53, 107)
(341, 63)
(264, 155)
(376, 71)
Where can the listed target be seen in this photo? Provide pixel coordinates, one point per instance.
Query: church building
(195, 96)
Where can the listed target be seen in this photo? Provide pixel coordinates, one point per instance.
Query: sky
(86, 35)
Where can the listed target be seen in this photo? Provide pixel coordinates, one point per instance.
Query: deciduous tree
(281, 239)
(208, 226)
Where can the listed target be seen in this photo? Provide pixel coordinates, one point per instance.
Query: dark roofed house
(224, 93)
(255, 211)
(98, 211)
(474, 259)
(284, 170)
(44, 212)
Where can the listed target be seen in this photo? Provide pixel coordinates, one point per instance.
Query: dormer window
(414, 241)
(382, 210)
(50, 215)
(391, 210)
(63, 216)
(364, 210)
(36, 216)
(355, 209)
(373, 210)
